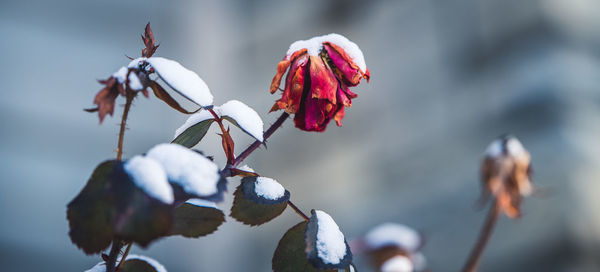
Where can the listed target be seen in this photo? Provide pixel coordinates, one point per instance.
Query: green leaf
(195, 221)
(194, 134)
(89, 214)
(139, 217)
(137, 265)
(290, 255)
(251, 209)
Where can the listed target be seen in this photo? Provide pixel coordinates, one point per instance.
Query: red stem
(257, 143)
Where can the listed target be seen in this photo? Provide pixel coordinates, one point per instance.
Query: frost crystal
(195, 173)
(182, 80)
(314, 46)
(393, 234)
(397, 264)
(269, 188)
(150, 176)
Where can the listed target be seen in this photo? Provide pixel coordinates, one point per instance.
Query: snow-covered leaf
(194, 129)
(89, 215)
(290, 255)
(258, 200)
(149, 176)
(325, 243)
(185, 82)
(133, 263)
(397, 263)
(138, 216)
(120, 203)
(392, 234)
(196, 175)
(242, 116)
(161, 94)
(196, 218)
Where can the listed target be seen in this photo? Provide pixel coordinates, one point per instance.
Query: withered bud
(506, 174)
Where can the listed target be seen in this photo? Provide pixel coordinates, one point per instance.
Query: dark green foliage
(290, 255)
(194, 134)
(136, 265)
(89, 215)
(195, 221)
(251, 209)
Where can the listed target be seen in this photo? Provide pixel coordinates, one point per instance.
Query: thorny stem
(484, 237)
(298, 211)
(257, 143)
(124, 256)
(117, 244)
(128, 99)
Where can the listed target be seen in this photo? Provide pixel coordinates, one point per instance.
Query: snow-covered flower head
(320, 71)
(506, 173)
(392, 247)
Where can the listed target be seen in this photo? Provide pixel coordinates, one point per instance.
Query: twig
(484, 237)
(298, 211)
(128, 99)
(124, 256)
(257, 143)
(117, 244)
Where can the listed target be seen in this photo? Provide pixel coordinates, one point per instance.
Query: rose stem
(117, 244)
(298, 211)
(257, 143)
(484, 237)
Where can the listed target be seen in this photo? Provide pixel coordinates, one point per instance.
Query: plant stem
(257, 143)
(124, 256)
(129, 95)
(484, 237)
(117, 244)
(227, 141)
(298, 211)
(112, 256)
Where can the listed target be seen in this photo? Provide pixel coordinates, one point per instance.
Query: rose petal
(323, 83)
(344, 55)
(294, 85)
(351, 75)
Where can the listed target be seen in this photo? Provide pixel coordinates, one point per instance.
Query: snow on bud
(506, 174)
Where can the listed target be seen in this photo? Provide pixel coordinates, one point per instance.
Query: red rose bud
(319, 73)
(506, 174)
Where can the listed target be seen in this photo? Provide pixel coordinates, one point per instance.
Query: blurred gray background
(448, 76)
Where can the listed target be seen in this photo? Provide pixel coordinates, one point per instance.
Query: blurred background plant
(448, 77)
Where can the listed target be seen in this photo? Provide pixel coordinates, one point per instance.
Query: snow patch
(182, 80)
(134, 82)
(268, 188)
(393, 234)
(202, 203)
(246, 168)
(120, 74)
(101, 266)
(195, 173)
(494, 149)
(514, 147)
(397, 264)
(195, 118)
(149, 176)
(136, 63)
(330, 243)
(246, 117)
(315, 45)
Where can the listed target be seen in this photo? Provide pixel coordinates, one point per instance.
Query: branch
(242, 156)
(298, 211)
(484, 237)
